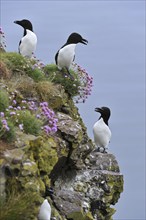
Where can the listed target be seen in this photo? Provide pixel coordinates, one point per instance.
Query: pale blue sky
(115, 57)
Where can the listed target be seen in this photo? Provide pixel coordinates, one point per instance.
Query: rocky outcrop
(80, 184)
(89, 191)
(85, 183)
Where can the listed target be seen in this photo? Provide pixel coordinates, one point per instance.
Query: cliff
(45, 149)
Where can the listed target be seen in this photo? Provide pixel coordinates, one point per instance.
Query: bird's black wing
(58, 53)
(19, 46)
(74, 58)
(56, 57)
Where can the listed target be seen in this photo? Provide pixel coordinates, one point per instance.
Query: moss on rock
(44, 153)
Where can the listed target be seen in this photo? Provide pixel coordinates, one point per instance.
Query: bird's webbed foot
(101, 150)
(69, 74)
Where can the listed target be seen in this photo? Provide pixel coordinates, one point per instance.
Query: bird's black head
(75, 38)
(105, 113)
(26, 24)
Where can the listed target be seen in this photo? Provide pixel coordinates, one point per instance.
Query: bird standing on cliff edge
(66, 55)
(27, 44)
(45, 211)
(101, 130)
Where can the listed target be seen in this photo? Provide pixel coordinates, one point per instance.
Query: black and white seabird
(66, 55)
(27, 44)
(45, 211)
(101, 130)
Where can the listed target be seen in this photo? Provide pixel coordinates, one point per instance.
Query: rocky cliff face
(79, 184)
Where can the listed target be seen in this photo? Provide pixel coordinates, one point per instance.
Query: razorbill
(45, 211)
(27, 44)
(66, 54)
(101, 130)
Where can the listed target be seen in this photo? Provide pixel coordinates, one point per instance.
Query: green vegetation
(31, 125)
(15, 62)
(29, 79)
(10, 135)
(36, 74)
(4, 100)
(30, 82)
(7, 135)
(21, 65)
(18, 206)
(61, 77)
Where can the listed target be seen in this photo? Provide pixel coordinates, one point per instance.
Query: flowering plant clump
(49, 118)
(7, 130)
(86, 84)
(2, 40)
(44, 113)
(29, 116)
(4, 125)
(38, 63)
(80, 88)
(41, 112)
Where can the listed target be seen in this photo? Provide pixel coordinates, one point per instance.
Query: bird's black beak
(16, 22)
(98, 110)
(84, 41)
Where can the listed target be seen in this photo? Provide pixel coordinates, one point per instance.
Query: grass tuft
(24, 84)
(4, 100)
(4, 71)
(20, 65)
(19, 206)
(46, 90)
(31, 124)
(9, 135)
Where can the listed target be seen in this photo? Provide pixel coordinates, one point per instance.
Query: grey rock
(97, 186)
(68, 126)
(67, 201)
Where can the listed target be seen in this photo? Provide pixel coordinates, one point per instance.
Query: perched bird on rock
(101, 130)
(66, 55)
(27, 44)
(45, 211)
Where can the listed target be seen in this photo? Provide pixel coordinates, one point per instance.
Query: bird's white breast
(45, 211)
(66, 56)
(28, 44)
(102, 134)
